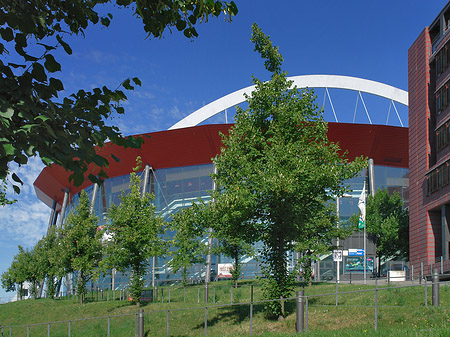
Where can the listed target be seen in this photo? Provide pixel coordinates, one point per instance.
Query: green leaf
(7, 114)
(126, 84)
(66, 47)
(9, 149)
(105, 21)
(50, 64)
(16, 189)
(56, 84)
(42, 118)
(21, 40)
(137, 81)
(17, 179)
(46, 161)
(38, 72)
(21, 159)
(7, 34)
(181, 25)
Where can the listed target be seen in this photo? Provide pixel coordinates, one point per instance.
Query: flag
(362, 208)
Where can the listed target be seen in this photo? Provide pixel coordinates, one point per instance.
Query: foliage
(234, 248)
(14, 277)
(49, 254)
(278, 169)
(187, 246)
(137, 231)
(34, 117)
(387, 224)
(3, 199)
(80, 247)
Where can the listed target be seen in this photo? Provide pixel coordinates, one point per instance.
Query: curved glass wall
(177, 188)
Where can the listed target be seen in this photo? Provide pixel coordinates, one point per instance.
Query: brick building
(429, 145)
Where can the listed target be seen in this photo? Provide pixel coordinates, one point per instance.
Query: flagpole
(364, 188)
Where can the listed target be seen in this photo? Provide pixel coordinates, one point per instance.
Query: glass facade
(177, 188)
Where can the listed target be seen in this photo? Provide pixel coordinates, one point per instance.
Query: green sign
(361, 223)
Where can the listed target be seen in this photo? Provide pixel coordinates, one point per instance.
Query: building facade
(429, 146)
(181, 163)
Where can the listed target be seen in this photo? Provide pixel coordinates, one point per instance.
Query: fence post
(206, 321)
(109, 326)
(198, 295)
(412, 272)
(376, 303)
(426, 295)
(435, 287)
(421, 272)
(350, 278)
(306, 313)
(48, 330)
(214, 295)
(70, 326)
(442, 265)
(300, 311)
(156, 293)
(141, 323)
(168, 324)
(336, 292)
(251, 310)
(162, 295)
(28, 331)
(231, 295)
(135, 325)
(282, 305)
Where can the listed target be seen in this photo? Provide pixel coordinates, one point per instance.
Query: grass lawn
(401, 312)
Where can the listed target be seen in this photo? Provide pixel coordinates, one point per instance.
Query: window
(438, 102)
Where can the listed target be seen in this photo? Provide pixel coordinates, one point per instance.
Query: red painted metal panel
(387, 145)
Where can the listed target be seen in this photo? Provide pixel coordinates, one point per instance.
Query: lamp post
(345, 195)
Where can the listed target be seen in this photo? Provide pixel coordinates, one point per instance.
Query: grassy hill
(401, 312)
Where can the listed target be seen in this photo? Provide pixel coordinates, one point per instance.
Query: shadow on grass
(239, 313)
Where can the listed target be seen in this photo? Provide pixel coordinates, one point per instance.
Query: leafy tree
(187, 246)
(279, 169)
(14, 277)
(387, 224)
(80, 245)
(137, 231)
(34, 118)
(48, 255)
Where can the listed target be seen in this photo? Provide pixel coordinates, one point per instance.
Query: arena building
(178, 163)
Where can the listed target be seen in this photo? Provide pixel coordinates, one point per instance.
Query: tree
(14, 277)
(49, 258)
(137, 231)
(387, 225)
(80, 245)
(34, 118)
(187, 246)
(277, 162)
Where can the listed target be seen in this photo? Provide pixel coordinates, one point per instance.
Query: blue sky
(368, 39)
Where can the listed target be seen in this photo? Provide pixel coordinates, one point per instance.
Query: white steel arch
(303, 81)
